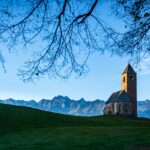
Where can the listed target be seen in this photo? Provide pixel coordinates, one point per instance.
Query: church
(124, 102)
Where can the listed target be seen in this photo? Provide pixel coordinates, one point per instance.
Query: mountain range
(65, 105)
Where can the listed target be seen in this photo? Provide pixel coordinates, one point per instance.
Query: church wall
(123, 108)
(115, 108)
(118, 108)
(109, 109)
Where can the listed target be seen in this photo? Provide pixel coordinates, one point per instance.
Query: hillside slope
(27, 128)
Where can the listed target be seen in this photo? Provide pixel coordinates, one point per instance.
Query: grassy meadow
(23, 128)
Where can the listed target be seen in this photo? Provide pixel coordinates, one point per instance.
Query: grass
(23, 128)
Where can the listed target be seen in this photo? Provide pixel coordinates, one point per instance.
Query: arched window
(124, 79)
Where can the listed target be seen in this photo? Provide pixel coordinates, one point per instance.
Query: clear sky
(103, 78)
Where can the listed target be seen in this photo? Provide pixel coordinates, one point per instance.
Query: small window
(124, 79)
(119, 108)
(131, 77)
(126, 108)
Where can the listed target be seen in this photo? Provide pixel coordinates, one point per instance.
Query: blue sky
(103, 78)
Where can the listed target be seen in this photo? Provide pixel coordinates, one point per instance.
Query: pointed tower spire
(129, 69)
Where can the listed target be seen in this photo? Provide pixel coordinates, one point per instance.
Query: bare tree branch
(69, 31)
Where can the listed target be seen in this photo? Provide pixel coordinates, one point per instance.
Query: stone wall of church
(118, 108)
(109, 109)
(122, 108)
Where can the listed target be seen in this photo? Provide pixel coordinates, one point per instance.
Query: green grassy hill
(23, 128)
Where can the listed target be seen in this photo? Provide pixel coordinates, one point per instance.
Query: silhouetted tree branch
(69, 31)
(136, 40)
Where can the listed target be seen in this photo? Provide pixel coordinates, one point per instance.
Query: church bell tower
(129, 84)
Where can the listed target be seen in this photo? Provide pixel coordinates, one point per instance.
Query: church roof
(120, 96)
(129, 69)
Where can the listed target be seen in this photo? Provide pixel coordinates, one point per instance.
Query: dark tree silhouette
(136, 41)
(70, 30)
